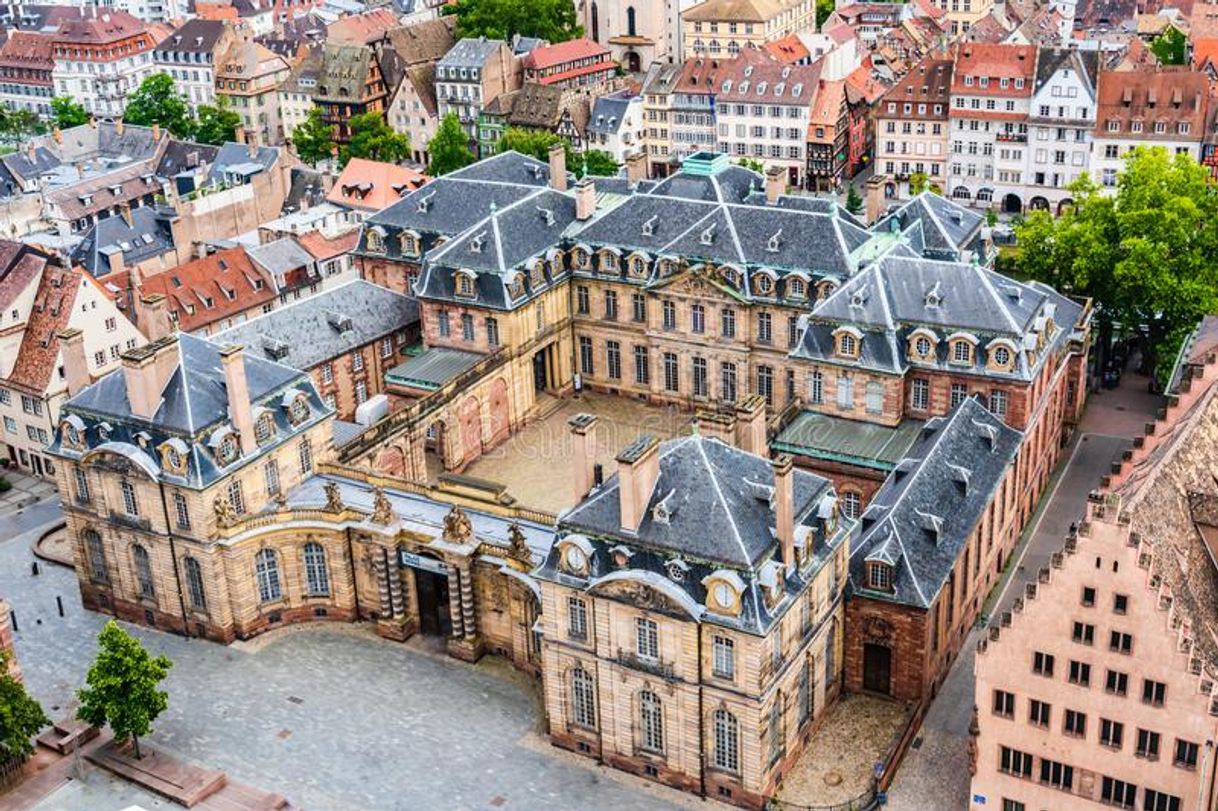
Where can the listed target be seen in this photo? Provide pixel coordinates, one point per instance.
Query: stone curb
(49, 556)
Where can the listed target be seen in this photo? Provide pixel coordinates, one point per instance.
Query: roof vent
(708, 235)
(931, 524)
(961, 476)
(547, 215)
(773, 243)
(663, 511)
(933, 299)
(987, 432)
(477, 243)
(425, 202)
(649, 227)
(859, 297)
(339, 322)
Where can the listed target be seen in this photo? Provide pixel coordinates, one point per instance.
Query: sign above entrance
(419, 562)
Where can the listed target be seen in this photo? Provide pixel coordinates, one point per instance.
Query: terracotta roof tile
(213, 288)
(372, 185)
(52, 308)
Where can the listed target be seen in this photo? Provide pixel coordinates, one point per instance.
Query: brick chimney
(636, 168)
(240, 412)
(156, 131)
(118, 125)
(585, 199)
(124, 209)
(146, 370)
(558, 167)
(638, 468)
(75, 365)
(784, 508)
(714, 425)
(876, 203)
(155, 316)
(583, 453)
(775, 184)
(750, 425)
(114, 260)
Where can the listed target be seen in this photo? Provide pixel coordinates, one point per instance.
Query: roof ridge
(986, 282)
(731, 520)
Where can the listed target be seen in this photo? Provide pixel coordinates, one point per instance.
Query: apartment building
(991, 91)
(248, 78)
(828, 137)
(1162, 106)
(637, 34)
(101, 56)
(472, 74)
(679, 112)
(763, 109)
(26, 67)
(189, 55)
(912, 124)
(574, 63)
(354, 80)
(725, 28)
(1060, 123)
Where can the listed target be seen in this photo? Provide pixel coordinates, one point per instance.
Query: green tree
(752, 164)
(18, 125)
(216, 125)
(157, 101)
(122, 686)
(1170, 47)
(552, 20)
(68, 113)
(449, 148)
(1146, 256)
(313, 138)
(375, 140)
(598, 163)
(823, 9)
(21, 717)
(918, 183)
(854, 200)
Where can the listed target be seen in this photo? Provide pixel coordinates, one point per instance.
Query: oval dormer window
(574, 560)
(300, 410)
(227, 450)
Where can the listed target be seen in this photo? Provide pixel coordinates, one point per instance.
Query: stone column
(467, 604)
(380, 566)
(454, 601)
(394, 622)
(397, 598)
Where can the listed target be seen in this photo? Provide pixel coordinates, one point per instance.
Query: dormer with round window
(72, 429)
(575, 555)
(1000, 355)
(922, 345)
(847, 343)
(764, 284)
(264, 425)
(961, 349)
(637, 266)
(516, 287)
(174, 455)
(225, 445)
(581, 258)
(297, 404)
(724, 590)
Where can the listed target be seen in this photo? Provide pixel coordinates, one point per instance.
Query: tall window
(805, 690)
(670, 315)
(611, 305)
(697, 318)
(765, 328)
(143, 571)
(651, 720)
(638, 303)
(130, 505)
(852, 504)
(727, 382)
(583, 698)
(727, 322)
(266, 569)
(181, 510)
(442, 324)
(585, 355)
(317, 575)
(306, 456)
(577, 618)
(845, 392)
(920, 393)
(671, 383)
(699, 377)
(194, 583)
(727, 741)
(775, 728)
(723, 657)
(646, 638)
(998, 402)
(467, 327)
(82, 485)
(613, 359)
(270, 472)
(959, 394)
(816, 388)
(581, 300)
(642, 368)
(875, 397)
(236, 497)
(765, 383)
(492, 332)
(97, 556)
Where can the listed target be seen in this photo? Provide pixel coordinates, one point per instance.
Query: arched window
(97, 556)
(596, 23)
(630, 27)
(847, 345)
(651, 722)
(194, 583)
(852, 504)
(727, 741)
(143, 571)
(266, 568)
(317, 576)
(583, 698)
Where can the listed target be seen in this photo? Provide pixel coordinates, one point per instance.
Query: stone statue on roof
(519, 546)
(382, 510)
(334, 499)
(226, 516)
(457, 526)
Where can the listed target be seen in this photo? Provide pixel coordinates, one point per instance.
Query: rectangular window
(998, 402)
(1012, 761)
(1117, 792)
(1153, 692)
(613, 359)
(1159, 801)
(492, 332)
(1004, 704)
(82, 485)
(642, 366)
(181, 510)
(361, 391)
(581, 300)
(724, 659)
(765, 328)
(306, 456)
(1120, 604)
(130, 504)
(236, 497)
(1057, 775)
(792, 331)
(638, 302)
(671, 383)
(270, 473)
(585, 355)
(610, 305)
(357, 361)
(920, 394)
(765, 383)
(1075, 723)
(816, 388)
(1147, 745)
(1080, 673)
(874, 397)
(1042, 664)
(1116, 682)
(442, 324)
(1186, 754)
(697, 319)
(727, 382)
(1120, 642)
(577, 619)
(327, 374)
(467, 329)
(1088, 598)
(959, 394)
(1083, 633)
(845, 392)
(1038, 713)
(1012, 805)
(699, 377)
(727, 322)
(1112, 733)
(646, 637)
(386, 347)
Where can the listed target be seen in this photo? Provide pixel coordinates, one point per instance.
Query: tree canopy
(1146, 256)
(21, 717)
(313, 138)
(68, 112)
(920, 182)
(552, 20)
(375, 140)
(1171, 47)
(537, 143)
(854, 200)
(121, 687)
(449, 148)
(216, 125)
(751, 163)
(157, 101)
(18, 125)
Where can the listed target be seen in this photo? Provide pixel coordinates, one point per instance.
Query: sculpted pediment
(698, 283)
(642, 595)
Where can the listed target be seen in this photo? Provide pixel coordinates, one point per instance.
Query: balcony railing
(136, 521)
(1011, 138)
(655, 667)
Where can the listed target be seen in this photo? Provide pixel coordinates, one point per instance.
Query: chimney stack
(124, 209)
(638, 468)
(775, 184)
(876, 202)
(583, 452)
(636, 168)
(75, 365)
(155, 312)
(114, 259)
(57, 134)
(146, 370)
(585, 199)
(784, 508)
(118, 125)
(750, 425)
(558, 167)
(239, 134)
(714, 425)
(156, 131)
(240, 412)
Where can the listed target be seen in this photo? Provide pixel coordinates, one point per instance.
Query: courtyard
(536, 465)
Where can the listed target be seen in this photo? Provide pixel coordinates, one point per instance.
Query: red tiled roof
(1171, 96)
(372, 185)
(994, 62)
(548, 56)
(36, 359)
(210, 289)
(322, 249)
(98, 27)
(29, 51)
(788, 50)
(361, 29)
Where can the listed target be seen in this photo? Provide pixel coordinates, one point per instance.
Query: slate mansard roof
(710, 511)
(922, 516)
(193, 409)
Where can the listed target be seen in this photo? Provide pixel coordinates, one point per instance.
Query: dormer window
(879, 576)
(796, 288)
(410, 244)
(638, 267)
(264, 428)
(537, 277)
(723, 590)
(580, 258)
(730, 276)
(575, 555)
(961, 352)
(763, 284)
(1001, 356)
(607, 262)
(922, 347)
(227, 451)
(848, 343)
(375, 241)
(463, 284)
(516, 288)
(298, 412)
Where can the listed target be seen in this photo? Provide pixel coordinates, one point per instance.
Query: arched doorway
(1011, 204)
(634, 63)
(877, 668)
(961, 193)
(985, 195)
(1064, 206)
(498, 403)
(1038, 204)
(890, 191)
(436, 443)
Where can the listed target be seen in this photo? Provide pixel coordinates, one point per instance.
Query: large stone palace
(692, 614)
